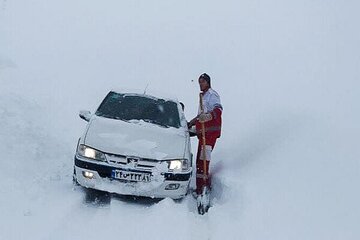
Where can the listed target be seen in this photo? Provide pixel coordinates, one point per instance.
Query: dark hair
(206, 78)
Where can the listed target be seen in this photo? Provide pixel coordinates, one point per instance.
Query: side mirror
(182, 106)
(192, 131)
(86, 115)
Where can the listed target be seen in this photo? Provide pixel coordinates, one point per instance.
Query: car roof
(147, 93)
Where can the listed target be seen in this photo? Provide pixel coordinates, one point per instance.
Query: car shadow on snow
(143, 201)
(98, 198)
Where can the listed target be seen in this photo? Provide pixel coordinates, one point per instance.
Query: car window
(137, 107)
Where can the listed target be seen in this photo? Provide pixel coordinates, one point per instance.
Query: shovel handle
(203, 138)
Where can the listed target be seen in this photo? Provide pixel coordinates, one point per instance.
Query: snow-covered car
(135, 144)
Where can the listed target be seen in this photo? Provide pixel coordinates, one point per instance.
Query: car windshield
(140, 107)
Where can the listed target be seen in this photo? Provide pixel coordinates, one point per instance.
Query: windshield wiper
(129, 120)
(110, 116)
(156, 123)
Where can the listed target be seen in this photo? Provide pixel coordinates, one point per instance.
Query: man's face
(203, 84)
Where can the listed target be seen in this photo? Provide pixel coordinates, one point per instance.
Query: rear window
(128, 107)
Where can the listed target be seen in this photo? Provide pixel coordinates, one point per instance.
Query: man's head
(204, 82)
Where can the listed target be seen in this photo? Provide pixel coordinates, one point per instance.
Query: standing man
(211, 118)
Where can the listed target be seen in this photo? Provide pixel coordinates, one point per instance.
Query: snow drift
(287, 164)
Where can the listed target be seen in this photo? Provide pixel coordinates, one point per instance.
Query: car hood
(135, 138)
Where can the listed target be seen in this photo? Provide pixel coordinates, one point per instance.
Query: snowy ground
(287, 165)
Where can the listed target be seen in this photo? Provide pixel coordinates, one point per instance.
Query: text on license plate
(131, 176)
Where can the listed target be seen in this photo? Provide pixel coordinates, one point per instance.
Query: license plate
(131, 176)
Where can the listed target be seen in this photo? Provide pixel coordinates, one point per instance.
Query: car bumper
(156, 188)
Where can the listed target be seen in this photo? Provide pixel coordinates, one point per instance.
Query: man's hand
(205, 117)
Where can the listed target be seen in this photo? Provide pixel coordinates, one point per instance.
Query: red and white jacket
(212, 105)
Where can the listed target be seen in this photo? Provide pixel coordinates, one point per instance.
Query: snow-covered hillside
(288, 162)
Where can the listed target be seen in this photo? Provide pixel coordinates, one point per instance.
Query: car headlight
(179, 164)
(89, 152)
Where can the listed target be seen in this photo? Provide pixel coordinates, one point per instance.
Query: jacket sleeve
(215, 101)
(216, 113)
(212, 127)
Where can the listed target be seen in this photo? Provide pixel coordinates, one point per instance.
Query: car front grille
(139, 163)
(105, 171)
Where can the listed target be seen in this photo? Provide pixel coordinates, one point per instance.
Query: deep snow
(287, 165)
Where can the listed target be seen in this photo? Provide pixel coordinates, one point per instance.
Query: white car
(135, 144)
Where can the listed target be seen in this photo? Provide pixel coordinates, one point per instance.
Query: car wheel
(97, 197)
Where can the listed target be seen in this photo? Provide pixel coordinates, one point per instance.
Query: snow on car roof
(147, 93)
